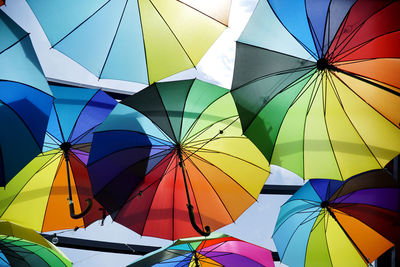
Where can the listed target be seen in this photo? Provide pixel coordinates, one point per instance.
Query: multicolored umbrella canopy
(335, 223)
(173, 144)
(218, 10)
(21, 246)
(316, 85)
(216, 250)
(25, 100)
(39, 194)
(141, 41)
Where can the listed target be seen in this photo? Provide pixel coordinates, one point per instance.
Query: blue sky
(255, 225)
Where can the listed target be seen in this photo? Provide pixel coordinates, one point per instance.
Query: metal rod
(189, 205)
(65, 148)
(110, 247)
(365, 80)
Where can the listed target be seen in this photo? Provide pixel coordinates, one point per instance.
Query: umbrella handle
(83, 213)
(192, 220)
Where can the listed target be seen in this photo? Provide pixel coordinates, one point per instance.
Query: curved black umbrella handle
(83, 213)
(192, 220)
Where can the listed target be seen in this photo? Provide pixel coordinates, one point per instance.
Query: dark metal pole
(189, 205)
(65, 147)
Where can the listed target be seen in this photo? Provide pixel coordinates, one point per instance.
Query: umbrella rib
(53, 138)
(78, 117)
(359, 46)
(19, 191)
(308, 75)
(297, 228)
(312, 31)
(48, 197)
(25, 124)
(355, 129)
(196, 135)
(354, 32)
(59, 124)
(215, 192)
(184, 50)
(151, 157)
(362, 222)
(16, 42)
(287, 110)
(348, 235)
(56, 43)
(211, 139)
(327, 131)
(152, 199)
(184, 139)
(222, 153)
(184, 109)
(205, 14)
(301, 43)
(204, 160)
(314, 92)
(155, 138)
(310, 101)
(329, 57)
(113, 40)
(364, 79)
(304, 210)
(167, 116)
(327, 28)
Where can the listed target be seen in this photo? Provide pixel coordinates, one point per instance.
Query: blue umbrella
(25, 100)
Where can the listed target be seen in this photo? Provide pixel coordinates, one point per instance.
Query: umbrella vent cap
(66, 146)
(323, 64)
(324, 204)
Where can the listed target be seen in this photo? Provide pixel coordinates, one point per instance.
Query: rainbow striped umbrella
(335, 223)
(141, 40)
(316, 85)
(52, 191)
(215, 250)
(171, 147)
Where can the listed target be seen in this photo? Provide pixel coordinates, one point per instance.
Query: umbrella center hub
(323, 64)
(66, 146)
(324, 204)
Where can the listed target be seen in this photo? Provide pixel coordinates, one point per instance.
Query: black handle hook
(83, 213)
(193, 221)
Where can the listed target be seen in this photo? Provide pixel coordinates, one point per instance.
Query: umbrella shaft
(184, 175)
(66, 156)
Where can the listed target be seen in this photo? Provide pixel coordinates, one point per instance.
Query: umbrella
(218, 10)
(38, 195)
(216, 250)
(318, 91)
(141, 41)
(25, 100)
(21, 246)
(336, 223)
(175, 146)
